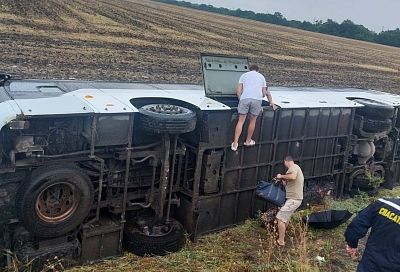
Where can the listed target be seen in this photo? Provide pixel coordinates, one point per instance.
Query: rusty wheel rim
(57, 202)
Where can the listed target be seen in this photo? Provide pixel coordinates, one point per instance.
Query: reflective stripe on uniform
(391, 204)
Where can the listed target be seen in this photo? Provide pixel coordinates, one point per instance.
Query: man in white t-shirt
(252, 88)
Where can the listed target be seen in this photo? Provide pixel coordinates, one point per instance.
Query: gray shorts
(249, 105)
(288, 209)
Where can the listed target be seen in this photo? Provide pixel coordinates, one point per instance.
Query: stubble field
(148, 41)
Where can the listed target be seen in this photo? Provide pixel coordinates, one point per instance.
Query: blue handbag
(272, 192)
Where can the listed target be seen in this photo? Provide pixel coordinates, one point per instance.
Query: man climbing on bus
(252, 88)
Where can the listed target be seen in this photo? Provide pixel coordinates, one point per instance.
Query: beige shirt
(294, 188)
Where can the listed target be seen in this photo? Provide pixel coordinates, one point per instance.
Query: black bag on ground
(327, 219)
(272, 192)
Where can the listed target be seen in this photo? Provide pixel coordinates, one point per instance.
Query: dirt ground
(148, 41)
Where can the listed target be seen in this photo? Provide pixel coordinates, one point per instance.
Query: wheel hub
(166, 109)
(149, 228)
(57, 202)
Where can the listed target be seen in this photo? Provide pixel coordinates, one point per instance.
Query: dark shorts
(248, 105)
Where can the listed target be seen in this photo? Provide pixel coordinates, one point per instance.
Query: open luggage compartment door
(221, 74)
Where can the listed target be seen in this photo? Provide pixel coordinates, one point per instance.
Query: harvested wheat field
(148, 41)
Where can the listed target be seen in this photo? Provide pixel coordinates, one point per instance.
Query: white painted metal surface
(387, 98)
(195, 97)
(101, 102)
(304, 99)
(62, 105)
(295, 97)
(85, 97)
(8, 112)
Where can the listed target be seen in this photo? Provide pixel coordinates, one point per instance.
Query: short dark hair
(289, 158)
(254, 67)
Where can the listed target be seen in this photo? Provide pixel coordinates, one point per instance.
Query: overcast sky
(373, 14)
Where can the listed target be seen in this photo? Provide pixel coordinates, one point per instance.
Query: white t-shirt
(253, 82)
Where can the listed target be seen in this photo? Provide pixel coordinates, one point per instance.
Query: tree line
(347, 28)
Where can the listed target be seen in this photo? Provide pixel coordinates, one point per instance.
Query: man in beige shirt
(294, 182)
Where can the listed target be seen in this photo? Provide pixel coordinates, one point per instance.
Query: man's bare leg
(251, 128)
(239, 127)
(282, 231)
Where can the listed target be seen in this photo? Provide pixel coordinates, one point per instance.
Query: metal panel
(208, 218)
(102, 102)
(194, 96)
(211, 172)
(114, 97)
(290, 98)
(221, 74)
(317, 138)
(244, 211)
(227, 215)
(111, 129)
(285, 97)
(8, 112)
(61, 105)
(100, 240)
